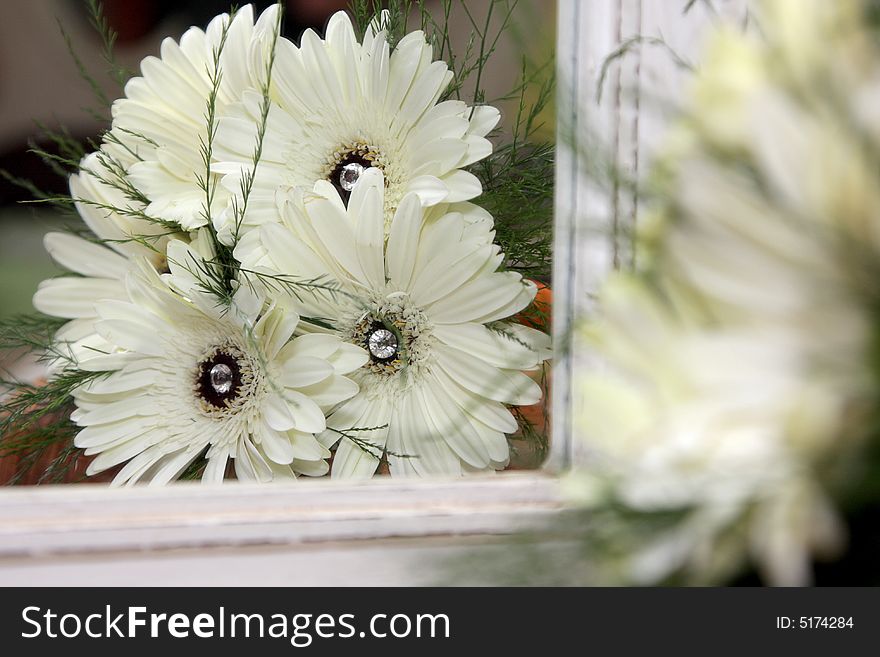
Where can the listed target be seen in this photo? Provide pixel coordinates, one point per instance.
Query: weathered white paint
(309, 532)
(426, 561)
(611, 118)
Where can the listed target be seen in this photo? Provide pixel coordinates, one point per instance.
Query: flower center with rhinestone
(350, 175)
(398, 338)
(345, 165)
(347, 172)
(219, 379)
(386, 341)
(382, 343)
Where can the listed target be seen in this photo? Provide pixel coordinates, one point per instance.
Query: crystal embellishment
(349, 175)
(221, 378)
(382, 344)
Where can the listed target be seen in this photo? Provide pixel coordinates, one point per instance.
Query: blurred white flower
(727, 422)
(737, 365)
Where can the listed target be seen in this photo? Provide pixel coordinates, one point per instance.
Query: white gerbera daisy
(189, 377)
(340, 107)
(99, 196)
(426, 304)
(730, 423)
(163, 117)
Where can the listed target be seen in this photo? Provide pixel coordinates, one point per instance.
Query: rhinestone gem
(349, 175)
(221, 378)
(382, 343)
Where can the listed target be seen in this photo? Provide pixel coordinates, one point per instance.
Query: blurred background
(40, 85)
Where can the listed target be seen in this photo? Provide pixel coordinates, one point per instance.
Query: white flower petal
(116, 455)
(403, 241)
(491, 413)
(85, 257)
(405, 62)
(311, 468)
(424, 93)
(442, 153)
(303, 371)
(348, 415)
(478, 148)
(306, 447)
(121, 382)
(174, 465)
(491, 382)
(347, 358)
(449, 271)
(215, 470)
(138, 467)
(75, 297)
(116, 410)
(527, 292)
(353, 462)
(453, 426)
(276, 445)
(314, 345)
(498, 348)
(307, 415)
(430, 189)
(250, 464)
(275, 329)
(102, 434)
(496, 444)
(425, 452)
(469, 302)
(337, 236)
(130, 335)
(366, 204)
(278, 412)
(331, 391)
(462, 186)
(483, 120)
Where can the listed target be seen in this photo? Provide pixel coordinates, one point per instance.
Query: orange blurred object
(74, 467)
(539, 314)
(72, 464)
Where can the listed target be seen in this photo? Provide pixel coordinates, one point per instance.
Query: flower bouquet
(285, 268)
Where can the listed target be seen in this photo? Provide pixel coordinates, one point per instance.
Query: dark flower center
(346, 174)
(218, 379)
(382, 343)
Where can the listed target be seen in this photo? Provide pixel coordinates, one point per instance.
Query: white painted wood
(613, 113)
(250, 534)
(427, 561)
(583, 250)
(75, 518)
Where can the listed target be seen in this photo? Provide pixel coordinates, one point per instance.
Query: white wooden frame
(318, 533)
(378, 532)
